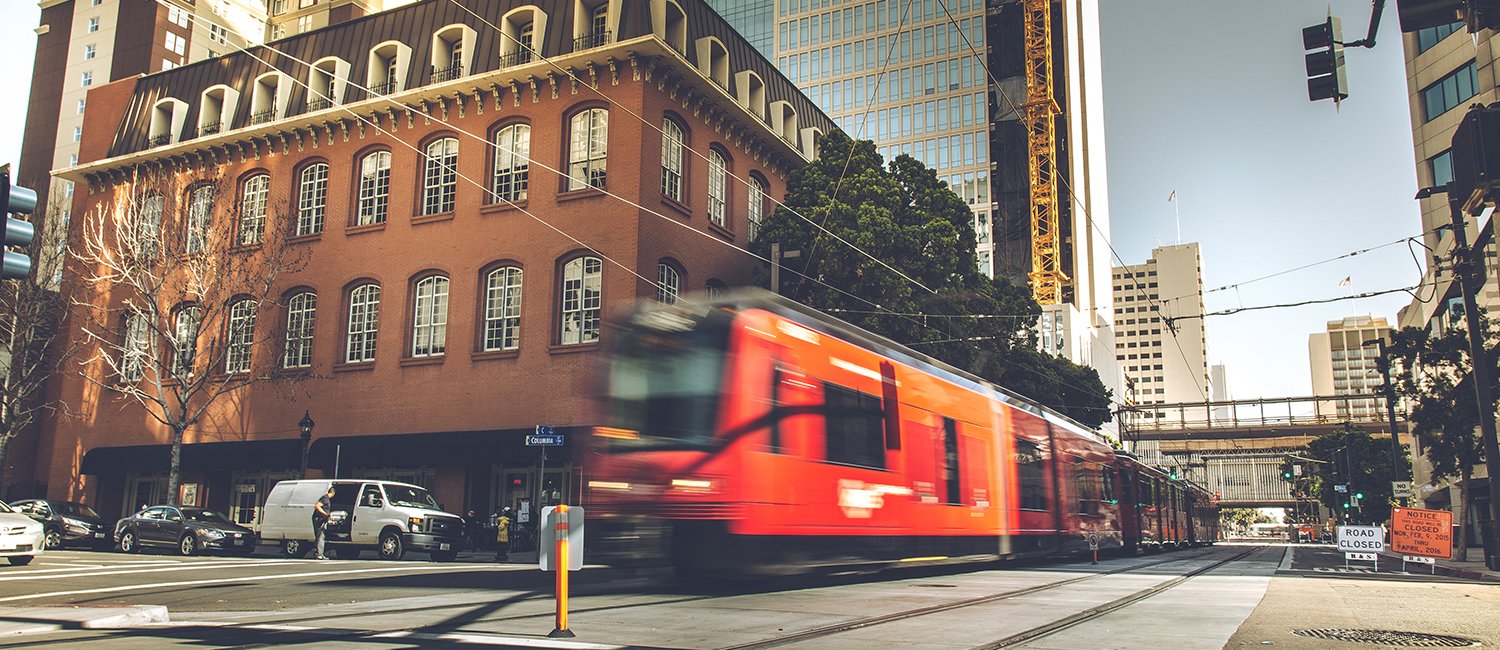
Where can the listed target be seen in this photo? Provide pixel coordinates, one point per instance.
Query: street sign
(572, 524)
(1093, 540)
(554, 440)
(1361, 539)
(1341, 488)
(1401, 489)
(1415, 531)
(1368, 557)
(1417, 559)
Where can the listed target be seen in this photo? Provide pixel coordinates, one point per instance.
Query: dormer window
(216, 110)
(784, 121)
(518, 30)
(326, 83)
(591, 23)
(167, 117)
(452, 49)
(268, 100)
(751, 93)
(713, 60)
(387, 72)
(670, 24)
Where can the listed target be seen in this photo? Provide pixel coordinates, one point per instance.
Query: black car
(188, 530)
(67, 523)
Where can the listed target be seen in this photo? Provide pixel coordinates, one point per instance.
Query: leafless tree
(174, 301)
(34, 345)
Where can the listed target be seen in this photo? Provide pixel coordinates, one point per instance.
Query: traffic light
(18, 233)
(1326, 78)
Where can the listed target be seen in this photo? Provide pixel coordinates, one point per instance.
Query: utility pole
(776, 256)
(1470, 273)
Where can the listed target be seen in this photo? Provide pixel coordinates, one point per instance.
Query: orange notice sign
(1427, 533)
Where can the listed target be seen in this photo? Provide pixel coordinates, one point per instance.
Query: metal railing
(518, 57)
(593, 40)
(449, 73)
(379, 90)
(1363, 408)
(261, 117)
(318, 104)
(159, 140)
(210, 128)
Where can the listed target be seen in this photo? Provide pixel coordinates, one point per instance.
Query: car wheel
(53, 540)
(188, 545)
(20, 560)
(128, 542)
(294, 548)
(391, 546)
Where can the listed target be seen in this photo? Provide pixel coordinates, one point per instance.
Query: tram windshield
(665, 378)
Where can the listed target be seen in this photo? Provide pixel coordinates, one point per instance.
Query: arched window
(582, 286)
(673, 26)
(374, 188)
(451, 47)
(364, 314)
(167, 117)
(588, 139)
(668, 283)
(148, 226)
(756, 203)
(216, 109)
(671, 159)
(185, 343)
(502, 309)
(440, 180)
(253, 208)
(136, 347)
(326, 83)
(429, 326)
(301, 311)
(718, 189)
(268, 98)
(512, 156)
(386, 73)
(199, 219)
(715, 289)
(518, 30)
(312, 199)
(241, 336)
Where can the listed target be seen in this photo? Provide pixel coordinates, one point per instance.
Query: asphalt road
(1197, 598)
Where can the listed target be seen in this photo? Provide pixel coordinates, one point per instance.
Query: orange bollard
(562, 630)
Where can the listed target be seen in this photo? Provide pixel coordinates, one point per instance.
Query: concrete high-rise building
(753, 19)
(291, 17)
(1343, 365)
(1166, 292)
(1445, 66)
(914, 76)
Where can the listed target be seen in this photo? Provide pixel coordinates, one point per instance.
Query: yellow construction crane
(1047, 275)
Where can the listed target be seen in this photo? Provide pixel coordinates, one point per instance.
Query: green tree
(1351, 457)
(1431, 372)
(912, 224)
(1240, 519)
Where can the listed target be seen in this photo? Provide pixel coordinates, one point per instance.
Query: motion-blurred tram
(751, 434)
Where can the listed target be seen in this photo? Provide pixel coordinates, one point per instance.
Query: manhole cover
(933, 585)
(1389, 637)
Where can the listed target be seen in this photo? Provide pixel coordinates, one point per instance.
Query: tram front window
(665, 380)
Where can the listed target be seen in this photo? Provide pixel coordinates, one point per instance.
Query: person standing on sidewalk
(502, 536)
(321, 511)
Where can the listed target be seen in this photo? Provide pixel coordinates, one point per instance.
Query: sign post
(561, 550)
(1093, 537)
(544, 438)
(1421, 535)
(1361, 543)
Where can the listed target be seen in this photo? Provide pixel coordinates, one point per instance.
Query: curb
(1451, 571)
(35, 620)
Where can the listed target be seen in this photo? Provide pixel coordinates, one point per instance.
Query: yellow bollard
(561, 558)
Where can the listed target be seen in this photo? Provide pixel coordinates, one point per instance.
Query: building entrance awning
(284, 453)
(492, 446)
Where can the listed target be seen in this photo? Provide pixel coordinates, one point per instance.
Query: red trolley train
(751, 434)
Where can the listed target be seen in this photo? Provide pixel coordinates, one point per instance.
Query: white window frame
(301, 316)
(374, 188)
(671, 159)
(254, 195)
(582, 292)
(718, 188)
(755, 205)
(199, 219)
(135, 349)
(668, 284)
(188, 322)
(429, 326)
(502, 309)
(512, 162)
(440, 176)
(364, 324)
(588, 149)
(148, 226)
(312, 199)
(241, 334)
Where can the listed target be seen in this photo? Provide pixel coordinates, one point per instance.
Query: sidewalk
(1470, 569)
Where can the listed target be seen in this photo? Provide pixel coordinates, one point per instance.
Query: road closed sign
(1427, 533)
(1357, 539)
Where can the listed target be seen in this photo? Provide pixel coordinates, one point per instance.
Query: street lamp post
(306, 425)
(1384, 364)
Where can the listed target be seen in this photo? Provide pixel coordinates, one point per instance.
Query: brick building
(453, 286)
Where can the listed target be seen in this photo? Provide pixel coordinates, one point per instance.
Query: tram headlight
(612, 486)
(692, 485)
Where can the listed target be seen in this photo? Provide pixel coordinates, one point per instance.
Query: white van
(390, 517)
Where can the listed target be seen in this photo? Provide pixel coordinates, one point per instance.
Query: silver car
(20, 536)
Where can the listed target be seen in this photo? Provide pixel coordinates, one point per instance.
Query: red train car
(752, 434)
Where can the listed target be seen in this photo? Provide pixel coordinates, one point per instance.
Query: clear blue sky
(1205, 97)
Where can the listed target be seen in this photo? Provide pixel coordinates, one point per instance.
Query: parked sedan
(187, 530)
(20, 537)
(67, 523)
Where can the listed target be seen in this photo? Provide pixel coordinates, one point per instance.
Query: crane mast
(1047, 276)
